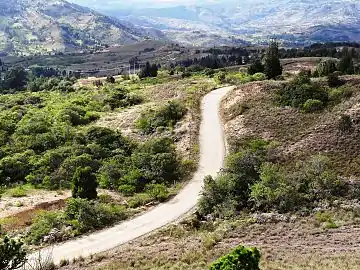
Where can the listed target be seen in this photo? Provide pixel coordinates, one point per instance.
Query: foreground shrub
(241, 258)
(12, 254)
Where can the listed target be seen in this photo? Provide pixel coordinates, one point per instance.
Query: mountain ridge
(40, 26)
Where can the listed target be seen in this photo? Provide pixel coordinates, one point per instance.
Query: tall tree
(346, 64)
(84, 184)
(272, 65)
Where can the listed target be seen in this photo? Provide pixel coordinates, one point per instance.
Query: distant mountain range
(39, 26)
(230, 21)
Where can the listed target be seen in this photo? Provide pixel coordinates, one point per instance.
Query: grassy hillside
(318, 233)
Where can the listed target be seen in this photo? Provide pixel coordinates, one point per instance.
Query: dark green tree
(256, 67)
(12, 254)
(346, 65)
(149, 70)
(84, 184)
(15, 78)
(272, 65)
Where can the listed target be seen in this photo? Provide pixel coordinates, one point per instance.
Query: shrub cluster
(80, 216)
(301, 92)
(166, 116)
(241, 258)
(249, 180)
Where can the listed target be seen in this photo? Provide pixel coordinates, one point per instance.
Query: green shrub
(220, 77)
(256, 67)
(127, 190)
(12, 254)
(43, 224)
(313, 105)
(90, 215)
(241, 258)
(158, 192)
(273, 190)
(84, 183)
(139, 199)
(166, 116)
(326, 67)
(336, 95)
(17, 192)
(299, 90)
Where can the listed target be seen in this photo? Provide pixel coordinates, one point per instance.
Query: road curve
(212, 153)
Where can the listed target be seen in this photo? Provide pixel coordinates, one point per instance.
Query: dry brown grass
(299, 134)
(301, 244)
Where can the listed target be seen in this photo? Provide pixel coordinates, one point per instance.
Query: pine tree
(84, 184)
(346, 65)
(273, 67)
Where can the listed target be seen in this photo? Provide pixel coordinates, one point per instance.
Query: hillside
(231, 22)
(317, 238)
(41, 26)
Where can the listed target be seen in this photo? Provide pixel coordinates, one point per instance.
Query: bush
(256, 67)
(313, 105)
(299, 90)
(241, 258)
(12, 254)
(84, 184)
(157, 192)
(166, 116)
(87, 215)
(345, 123)
(336, 95)
(334, 81)
(220, 77)
(326, 67)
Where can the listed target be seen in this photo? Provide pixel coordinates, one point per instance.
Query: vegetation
(272, 66)
(249, 180)
(301, 92)
(78, 217)
(12, 254)
(241, 258)
(165, 116)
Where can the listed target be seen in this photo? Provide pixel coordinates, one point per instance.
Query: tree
(326, 67)
(272, 65)
(110, 79)
(12, 254)
(346, 65)
(256, 67)
(15, 78)
(149, 71)
(84, 184)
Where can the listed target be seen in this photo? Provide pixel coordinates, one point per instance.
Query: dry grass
(301, 244)
(299, 134)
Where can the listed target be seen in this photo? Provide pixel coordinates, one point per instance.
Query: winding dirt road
(212, 152)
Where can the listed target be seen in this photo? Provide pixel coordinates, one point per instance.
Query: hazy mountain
(216, 22)
(31, 26)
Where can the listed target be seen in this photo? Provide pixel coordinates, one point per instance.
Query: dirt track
(212, 152)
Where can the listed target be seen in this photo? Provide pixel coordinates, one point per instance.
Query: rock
(270, 217)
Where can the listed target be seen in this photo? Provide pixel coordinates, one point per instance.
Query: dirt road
(212, 152)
